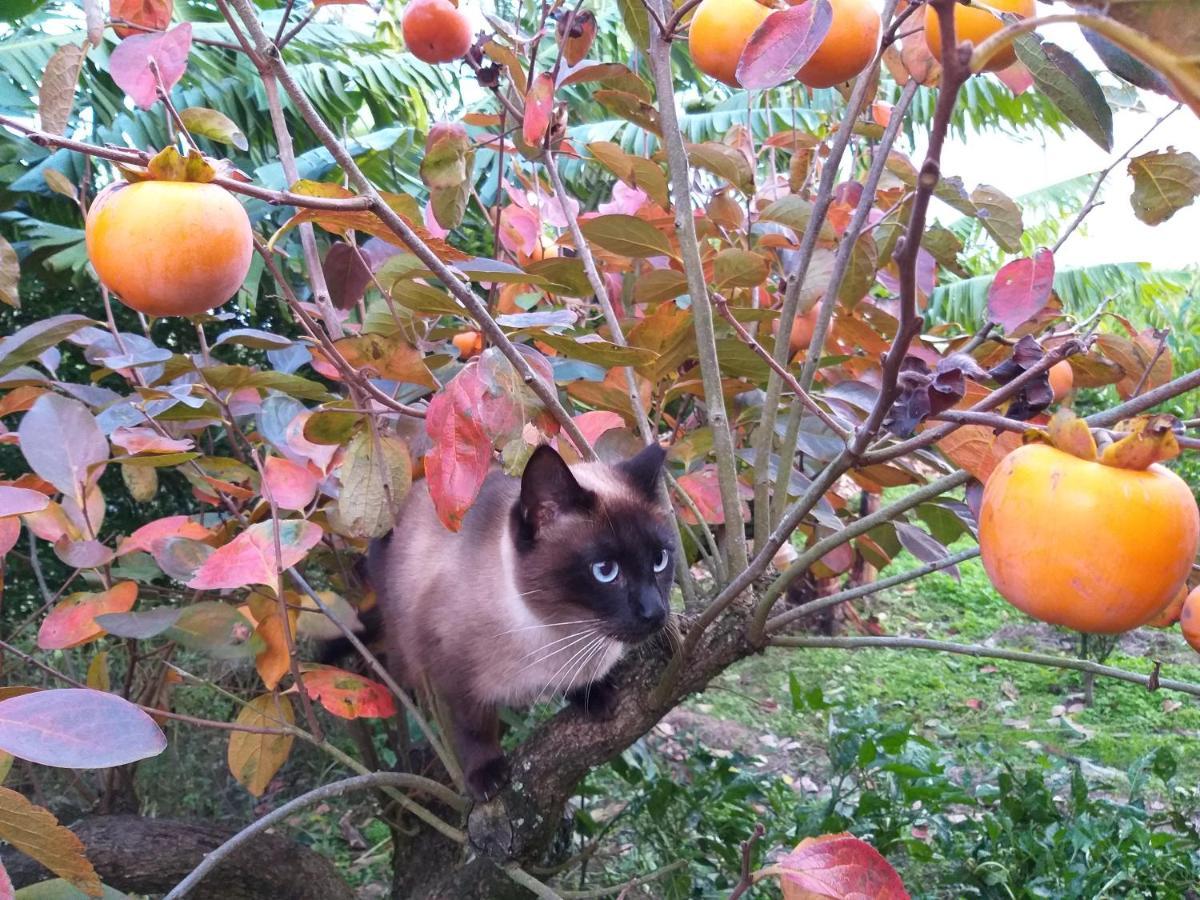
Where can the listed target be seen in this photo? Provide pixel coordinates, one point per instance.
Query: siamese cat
(551, 577)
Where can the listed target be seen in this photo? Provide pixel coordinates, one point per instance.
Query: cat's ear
(645, 469)
(548, 489)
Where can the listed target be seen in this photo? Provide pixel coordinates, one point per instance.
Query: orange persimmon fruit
(719, 33)
(976, 24)
(1062, 379)
(169, 248)
(1169, 614)
(435, 31)
(848, 47)
(468, 344)
(1189, 619)
(1093, 547)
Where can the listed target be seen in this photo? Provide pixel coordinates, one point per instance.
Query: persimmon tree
(753, 301)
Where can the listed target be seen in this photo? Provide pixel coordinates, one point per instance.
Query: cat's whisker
(590, 621)
(573, 638)
(557, 679)
(598, 646)
(541, 647)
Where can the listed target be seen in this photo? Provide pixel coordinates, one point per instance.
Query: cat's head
(595, 542)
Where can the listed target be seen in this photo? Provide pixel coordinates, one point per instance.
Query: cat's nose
(650, 610)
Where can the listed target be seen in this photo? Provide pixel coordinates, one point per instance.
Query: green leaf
(860, 273)
(600, 352)
(10, 275)
(562, 275)
(659, 284)
(1000, 216)
(945, 247)
(424, 298)
(627, 236)
(331, 426)
(724, 162)
(375, 477)
(29, 342)
(254, 338)
(1069, 86)
(213, 125)
(1164, 182)
(216, 629)
(61, 889)
(739, 268)
(795, 213)
(637, 22)
(631, 108)
(235, 377)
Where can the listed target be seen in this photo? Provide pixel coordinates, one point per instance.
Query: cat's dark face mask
(607, 555)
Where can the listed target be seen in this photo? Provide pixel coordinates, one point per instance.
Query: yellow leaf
(255, 758)
(1070, 434)
(36, 833)
(272, 662)
(97, 673)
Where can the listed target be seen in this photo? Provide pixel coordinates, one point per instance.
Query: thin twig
(788, 378)
(1090, 203)
(1132, 407)
(747, 879)
(625, 886)
(1158, 352)
(784, 619)
(282, 813)
(976, 650)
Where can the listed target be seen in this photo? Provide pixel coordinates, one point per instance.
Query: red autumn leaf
(129, 64)
(16, 501)
(347, 695)
(154, 14)
(152, 533)
(73, 621)
(458, 462)
(10, 532)
(140, 439)
(300, 449)
(538, 104)
(704, 487)
(1021, 289)
(520, 229)
(784, 42)
(840, 865)
(292, 485)
(6, 886)
(595, 423)
(86, 554)
(250, 557)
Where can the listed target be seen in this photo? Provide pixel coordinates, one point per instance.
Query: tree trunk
(521, 823)
(140, 855)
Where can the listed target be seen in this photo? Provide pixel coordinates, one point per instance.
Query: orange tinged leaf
(36, 833)
(538, 104)
(250, 557)
(291, 485)
(274, 660)
(977, 449)
(255, 758)
(148, 536)
(347, 695)
(73, 621)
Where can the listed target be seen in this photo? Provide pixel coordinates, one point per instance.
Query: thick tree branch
(281, 814)
(685, 225)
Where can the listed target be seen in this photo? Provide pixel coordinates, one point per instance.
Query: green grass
(965, 700)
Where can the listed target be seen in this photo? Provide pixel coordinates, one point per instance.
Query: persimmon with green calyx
(976, 24)
(1097, 543)
(719, 33)
(169, 242)
(435, 31)
(848, 47)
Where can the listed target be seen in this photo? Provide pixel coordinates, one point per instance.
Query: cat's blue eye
(664, 559)
(606, 572)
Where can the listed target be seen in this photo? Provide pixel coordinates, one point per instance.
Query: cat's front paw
(598, 700)
(484, 779)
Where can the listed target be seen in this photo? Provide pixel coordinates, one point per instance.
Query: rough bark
(140, 855)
